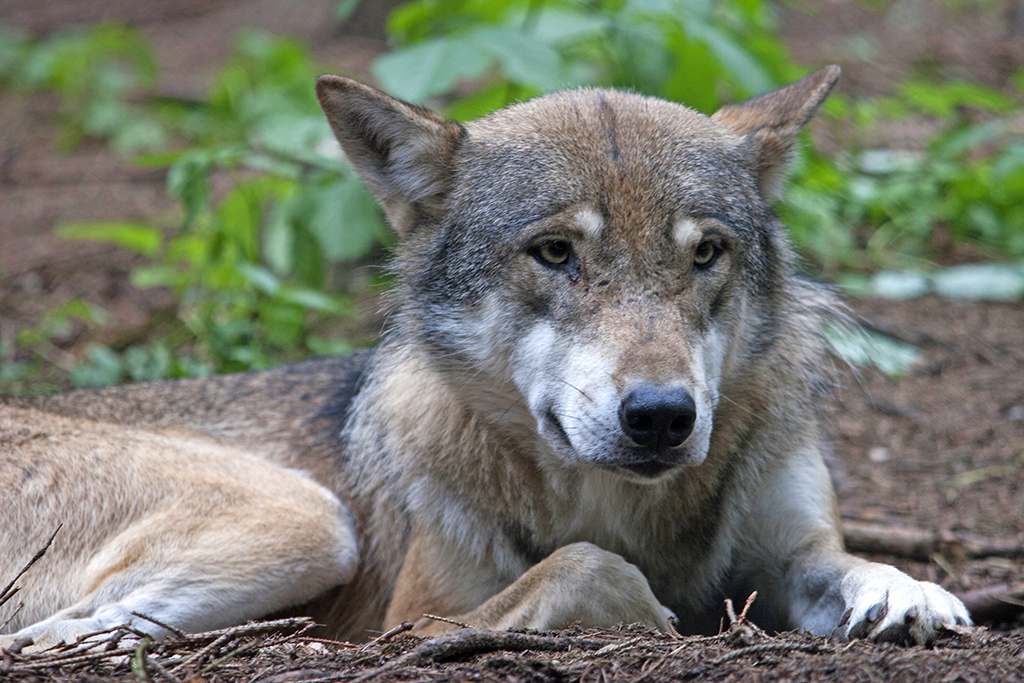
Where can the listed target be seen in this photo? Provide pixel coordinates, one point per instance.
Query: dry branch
(994, 604)
(9, 590)
(472, 641)
(921, 544)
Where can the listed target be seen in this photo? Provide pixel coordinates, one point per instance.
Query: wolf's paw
(23, 645)
(886, 605)
(579, 582)
(604, 589)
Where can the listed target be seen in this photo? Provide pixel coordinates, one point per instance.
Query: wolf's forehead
(590, 111)
(631, 158)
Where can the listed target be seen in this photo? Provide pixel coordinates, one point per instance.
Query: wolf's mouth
(559, 429)
(648, 468)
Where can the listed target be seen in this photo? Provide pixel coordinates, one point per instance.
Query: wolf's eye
(555, 252)
(705, 254)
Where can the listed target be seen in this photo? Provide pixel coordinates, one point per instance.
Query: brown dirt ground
(939, 449)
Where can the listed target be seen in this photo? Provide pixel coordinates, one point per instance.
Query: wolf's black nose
(658, 417)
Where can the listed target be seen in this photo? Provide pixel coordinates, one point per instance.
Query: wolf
(598, 402)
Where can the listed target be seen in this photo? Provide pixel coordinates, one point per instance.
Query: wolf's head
(594, 266)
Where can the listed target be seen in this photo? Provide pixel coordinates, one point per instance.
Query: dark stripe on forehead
(608, 118)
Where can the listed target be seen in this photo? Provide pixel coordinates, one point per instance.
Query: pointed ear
(402, 152)
(772, 121)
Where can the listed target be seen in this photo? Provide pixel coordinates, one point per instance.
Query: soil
(939, 449)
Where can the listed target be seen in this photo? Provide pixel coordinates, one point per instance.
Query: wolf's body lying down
(598, 404)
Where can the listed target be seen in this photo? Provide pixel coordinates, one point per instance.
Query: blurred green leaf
(137, 237)
(899, 285)
(102, 369)
(558, 26)
(987, 281)
(347, 221)
(430, 67)
(344, 9)
(870, 349)
(186, 181)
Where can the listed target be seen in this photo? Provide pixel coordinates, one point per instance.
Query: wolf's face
(591, 266)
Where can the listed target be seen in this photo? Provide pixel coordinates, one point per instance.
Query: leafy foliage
(696, 51)
(93, 71)
(872, 207)
(269, 206)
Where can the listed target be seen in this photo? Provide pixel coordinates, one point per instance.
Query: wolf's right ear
(402, 152)
(771, 123)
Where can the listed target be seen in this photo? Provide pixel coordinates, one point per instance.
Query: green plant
(884, 207)
(696, 51)
(268, 206)
(95, 71)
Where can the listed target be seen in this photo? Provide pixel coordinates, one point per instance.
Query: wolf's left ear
(402, 152)
(771, 123)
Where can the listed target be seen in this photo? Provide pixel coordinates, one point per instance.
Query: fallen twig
(616, 647)
(17, 609)
(139, 660)
(9, 590)
(388, 635)
(167, 627)
(920, 544)
(47, 662)
(994, 603)
(221, 637)
(244, 647)
(767, 647)
(471, 641)
(447, 620)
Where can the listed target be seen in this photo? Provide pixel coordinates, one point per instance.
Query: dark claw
(897, 633)
(910, 615)
(846, 616)
(861, 629)
(960, 621)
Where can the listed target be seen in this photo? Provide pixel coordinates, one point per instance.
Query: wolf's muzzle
(658, 417)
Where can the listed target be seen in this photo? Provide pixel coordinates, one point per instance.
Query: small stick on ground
(767, 647)
(244, 647)
(672, 629)
(17, 609)
(388, 635)
(446, 620)
(43, 662)
(167, 627)
(616, 647)
(7, 593)
(473, 641)
(747, 604)
(197, 656)
(741, 631)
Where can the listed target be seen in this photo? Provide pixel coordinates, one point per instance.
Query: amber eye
(705, 254)
(555, 252)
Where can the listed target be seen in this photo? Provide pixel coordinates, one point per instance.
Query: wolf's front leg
(794, 552)
(577, 583)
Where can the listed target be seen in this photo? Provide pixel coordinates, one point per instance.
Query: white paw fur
(884, 604)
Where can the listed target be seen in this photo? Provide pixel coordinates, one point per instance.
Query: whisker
(743, 408)
(582, 393)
